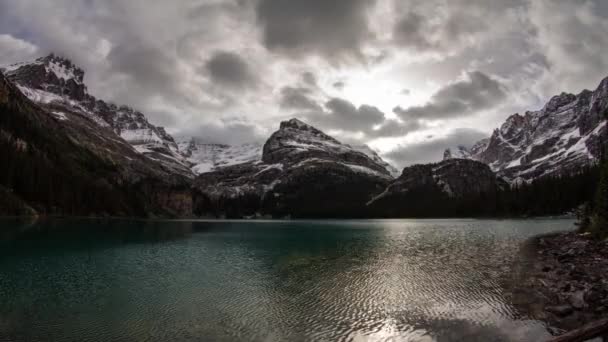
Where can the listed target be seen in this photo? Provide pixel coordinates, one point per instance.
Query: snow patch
(62, 72)
(60, 115)
(39, 96)
(366, 170)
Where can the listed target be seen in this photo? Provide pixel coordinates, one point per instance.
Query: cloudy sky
(409, 78)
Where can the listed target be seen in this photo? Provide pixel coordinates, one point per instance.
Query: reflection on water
(398, 280)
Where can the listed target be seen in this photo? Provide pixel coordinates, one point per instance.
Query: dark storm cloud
(345, 115)
(441, 27)
(150, 67)
(466, 97)
(229, 69)
(574, 38)
(411, 31)
(342, 115)
(394, 128)
(309, 79)
(298, 98)
(431, 150)
(339, 85)
(332, 28)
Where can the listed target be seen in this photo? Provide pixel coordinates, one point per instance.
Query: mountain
(566, 134)
(450, 187)
(58, 84)
(60, 160)
(303, 172)
(205, 157)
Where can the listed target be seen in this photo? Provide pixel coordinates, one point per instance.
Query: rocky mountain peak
(559, 101)
(513, 124)
(53, 74)
(564, 135)
(296, 141)
(298, 127)
(603, 86)
(295, 124)
(63, 67)
(457, 152)
(57, 82)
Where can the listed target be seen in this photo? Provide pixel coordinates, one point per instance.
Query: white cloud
(13, 50)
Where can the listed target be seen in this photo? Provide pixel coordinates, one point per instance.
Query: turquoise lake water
(376, 280)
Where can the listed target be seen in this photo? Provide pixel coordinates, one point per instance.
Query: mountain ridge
(567, 133)
(69, 165)
(56, 81)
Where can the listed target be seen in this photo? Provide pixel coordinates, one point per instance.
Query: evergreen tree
(599, 220)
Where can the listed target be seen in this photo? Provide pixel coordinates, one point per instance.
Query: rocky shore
(564, 280)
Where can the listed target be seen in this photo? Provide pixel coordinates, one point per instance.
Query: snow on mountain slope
(297, 141)
(376, 158)
(303, 172)
(566, 134)
(206, 157)
(56, 81)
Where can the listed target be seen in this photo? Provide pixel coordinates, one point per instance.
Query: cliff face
(566, 134)
(303, 173)
(61, 161)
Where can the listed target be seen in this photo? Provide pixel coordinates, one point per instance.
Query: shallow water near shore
(364, 280)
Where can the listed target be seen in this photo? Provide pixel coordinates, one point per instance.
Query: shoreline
(562, 280)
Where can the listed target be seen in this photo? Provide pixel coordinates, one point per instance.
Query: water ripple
(394, 280)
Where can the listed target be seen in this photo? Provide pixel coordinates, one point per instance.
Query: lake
(364, 280)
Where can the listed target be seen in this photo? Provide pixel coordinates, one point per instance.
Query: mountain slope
(451, 187)
(206, 157)
(303, 173)
(57, 82)
(567, 133)
(377, 159)
(59, 161)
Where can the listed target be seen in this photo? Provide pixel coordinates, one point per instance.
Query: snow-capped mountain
(566, 134)
(57, 160)
(464, 152)
(297, 141)
(206, 157)
(55, 81)
(303, 172)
